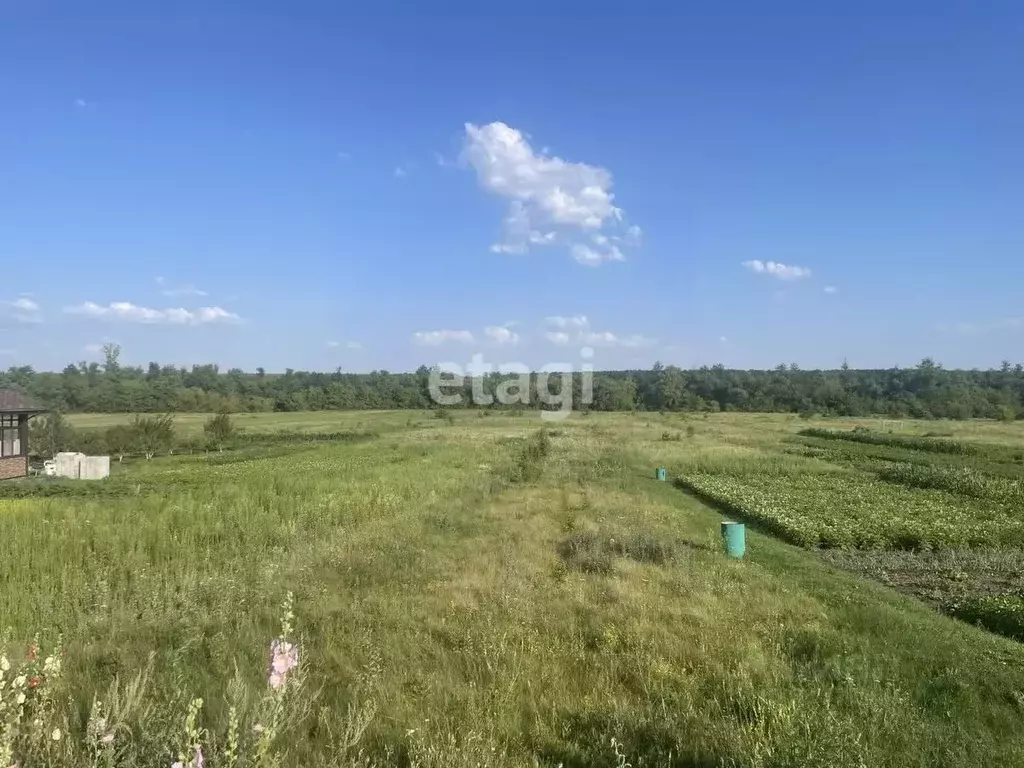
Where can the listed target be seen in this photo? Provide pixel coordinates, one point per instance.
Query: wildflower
(21, 698)
(19, 681)
(56, 734)
(177, 764)
(284, 657)
(4, 664)
(32, 651)
(107, 739)
(257, 729)
(33, 682)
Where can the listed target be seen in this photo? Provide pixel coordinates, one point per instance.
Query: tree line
(927, 390)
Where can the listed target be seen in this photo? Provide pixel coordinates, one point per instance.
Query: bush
(1002, 614)
(152, 434)
(49, 435)
(218, 429)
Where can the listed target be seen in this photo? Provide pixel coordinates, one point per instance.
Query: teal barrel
(734, 536)
(662, 473)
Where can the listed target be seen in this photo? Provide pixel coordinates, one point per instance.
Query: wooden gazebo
(15, 411)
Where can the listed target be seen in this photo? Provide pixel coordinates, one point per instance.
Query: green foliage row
(1002, 614)
(996, 460)
(851, 511)
(930, 444)
(925, 391)
(963, 481)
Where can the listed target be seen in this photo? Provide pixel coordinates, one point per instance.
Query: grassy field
(478, 593)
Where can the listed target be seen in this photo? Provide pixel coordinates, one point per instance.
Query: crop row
(929, 444)
(962, 481)
(848, 511)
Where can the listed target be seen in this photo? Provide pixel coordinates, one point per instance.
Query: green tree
(218, 430)
(152, 434)
(120, 439)
(50, 434)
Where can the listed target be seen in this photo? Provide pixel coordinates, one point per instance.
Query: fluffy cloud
(781, 271)
(501, 334)
(131, 313)
(551, 199)
(436, 338)
(558, 337)
(21, 310)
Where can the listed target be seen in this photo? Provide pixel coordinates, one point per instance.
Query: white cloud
(831, 289)
(436, 338)
(132, 313)
(781, 271)
(353, 345)
(723, 339)
(401, 172)
(576, 321)
(506, 248)
(178, 290)
(609, 339)
(557, 337)
(501, 334)
(21, 310)
(333, 344)
(587, 256)
(576, 329)
(551, 198)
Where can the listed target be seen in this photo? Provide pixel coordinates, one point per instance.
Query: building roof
(15, 402)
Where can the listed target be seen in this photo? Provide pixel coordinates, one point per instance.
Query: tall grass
(445, 616)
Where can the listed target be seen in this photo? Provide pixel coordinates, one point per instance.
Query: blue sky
(314, 185)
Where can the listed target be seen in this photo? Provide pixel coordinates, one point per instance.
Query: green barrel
(662, 473)
(734, 536)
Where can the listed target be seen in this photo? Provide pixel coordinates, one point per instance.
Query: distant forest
(925, 391)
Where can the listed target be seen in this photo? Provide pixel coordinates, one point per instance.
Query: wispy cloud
(551, 200)
(343, 155)
(436, 338)
(576, 328)
(186, 289)
(333, 344)
(831, 289)
(132, 313)
(774, 268)
(22, 310)
(980, 328)
(575, 321)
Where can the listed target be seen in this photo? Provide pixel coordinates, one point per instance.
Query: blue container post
(734, 536)
(662, 473)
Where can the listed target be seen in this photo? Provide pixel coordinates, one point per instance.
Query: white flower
(107, 738)
(56, 734)
(19, 681)
(4, 664)
(21, 698)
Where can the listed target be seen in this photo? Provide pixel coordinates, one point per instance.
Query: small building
(15, 411)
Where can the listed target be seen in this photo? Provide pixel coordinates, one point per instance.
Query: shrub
(218, 429)
(50, 434)
(1002, 614)
(152, 434)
